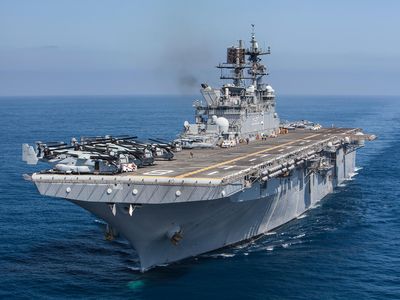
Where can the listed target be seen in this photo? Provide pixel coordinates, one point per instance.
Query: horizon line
(189, 95)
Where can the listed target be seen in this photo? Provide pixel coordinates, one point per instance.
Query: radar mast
(236, 63)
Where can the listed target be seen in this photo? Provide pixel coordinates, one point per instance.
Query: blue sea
(348, 247)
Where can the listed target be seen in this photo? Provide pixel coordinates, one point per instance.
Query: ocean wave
(299, 236)
(301, 216)
(220, 255)
(100, 222)
(270, 233)
(351, 175)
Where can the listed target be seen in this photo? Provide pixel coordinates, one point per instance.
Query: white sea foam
(269, 248)
(219, 255)
(225, 255)
(285, 245)
(299, 236)
(302, 216)
(296, 242)
(271, 233)
(100, 222)
(351, 175)
(163, 265)
(245, 244)
(318, 204)
(241, 246)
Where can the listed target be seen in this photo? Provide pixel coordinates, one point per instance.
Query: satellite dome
(223, 124)
(250, 89)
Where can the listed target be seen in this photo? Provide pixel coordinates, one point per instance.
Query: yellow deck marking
(242, 157)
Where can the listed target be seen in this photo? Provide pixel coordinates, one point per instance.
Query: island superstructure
(236, 110)
(236, 173)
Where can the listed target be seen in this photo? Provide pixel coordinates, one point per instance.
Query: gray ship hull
(245, 173)
(209, 225)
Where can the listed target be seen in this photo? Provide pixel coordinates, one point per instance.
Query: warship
(233, 175)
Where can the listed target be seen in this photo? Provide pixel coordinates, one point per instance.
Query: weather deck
(220, 163)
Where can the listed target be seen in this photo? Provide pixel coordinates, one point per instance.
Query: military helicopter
(175, 145)
(98, 154)
(195, 143)
(159, 151)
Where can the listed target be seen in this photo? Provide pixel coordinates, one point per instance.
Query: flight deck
(220, 163)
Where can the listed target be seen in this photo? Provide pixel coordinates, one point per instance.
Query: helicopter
(97, 154)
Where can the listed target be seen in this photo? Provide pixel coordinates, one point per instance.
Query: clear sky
(95, 47)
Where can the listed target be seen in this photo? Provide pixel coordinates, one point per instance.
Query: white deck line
(228, 167)
(212, 173)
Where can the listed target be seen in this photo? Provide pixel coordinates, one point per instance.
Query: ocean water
(348, 247)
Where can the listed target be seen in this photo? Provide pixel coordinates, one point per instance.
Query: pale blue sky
(79, 47)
